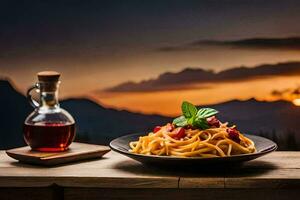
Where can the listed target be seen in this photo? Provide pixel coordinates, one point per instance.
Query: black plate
(121, 145)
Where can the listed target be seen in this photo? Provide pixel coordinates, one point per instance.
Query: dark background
(127, 65)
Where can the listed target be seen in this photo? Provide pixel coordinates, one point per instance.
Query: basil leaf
(201, 123)
(188, 109)
(206, 112)
(180, 121)
(191, 120)
(192, 116)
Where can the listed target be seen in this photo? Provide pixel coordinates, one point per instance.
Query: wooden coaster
(77, 151)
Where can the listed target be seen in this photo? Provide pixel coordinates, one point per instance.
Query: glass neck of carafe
(49, 95)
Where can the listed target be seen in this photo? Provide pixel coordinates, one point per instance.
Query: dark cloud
(39, 30)
(189, 76)
(290, 43)
(286, 92)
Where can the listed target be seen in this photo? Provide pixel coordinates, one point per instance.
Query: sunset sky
(99, 44)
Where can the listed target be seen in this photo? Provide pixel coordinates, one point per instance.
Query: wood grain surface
(278, 171)
(180, 194)
(77, 151)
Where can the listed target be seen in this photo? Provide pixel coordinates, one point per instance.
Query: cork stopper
(48, 81)
(48, 76)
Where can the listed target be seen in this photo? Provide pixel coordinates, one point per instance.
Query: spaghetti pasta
(212, 142)
(187, 137)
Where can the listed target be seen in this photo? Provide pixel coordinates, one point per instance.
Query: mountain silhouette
(95, 124)
(100, 125)
(252, 116)
(182, 79)
(14, 109)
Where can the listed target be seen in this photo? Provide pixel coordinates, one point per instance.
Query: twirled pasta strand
(213, 142)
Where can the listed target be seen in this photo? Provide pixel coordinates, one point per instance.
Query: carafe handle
(33, 102)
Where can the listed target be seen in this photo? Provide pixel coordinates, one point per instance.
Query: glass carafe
(48, 127)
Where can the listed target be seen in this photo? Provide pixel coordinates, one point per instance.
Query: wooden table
(275, 176)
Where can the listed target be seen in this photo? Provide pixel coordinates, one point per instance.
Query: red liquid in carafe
(49, 136)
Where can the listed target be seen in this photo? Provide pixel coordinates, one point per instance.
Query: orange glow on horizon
(168, 102)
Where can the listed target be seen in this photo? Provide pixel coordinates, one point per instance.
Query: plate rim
(265, 151)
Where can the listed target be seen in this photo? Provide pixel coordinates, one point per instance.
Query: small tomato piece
(233, 134)
(213, 121)
(156, 129)
(180, 133)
